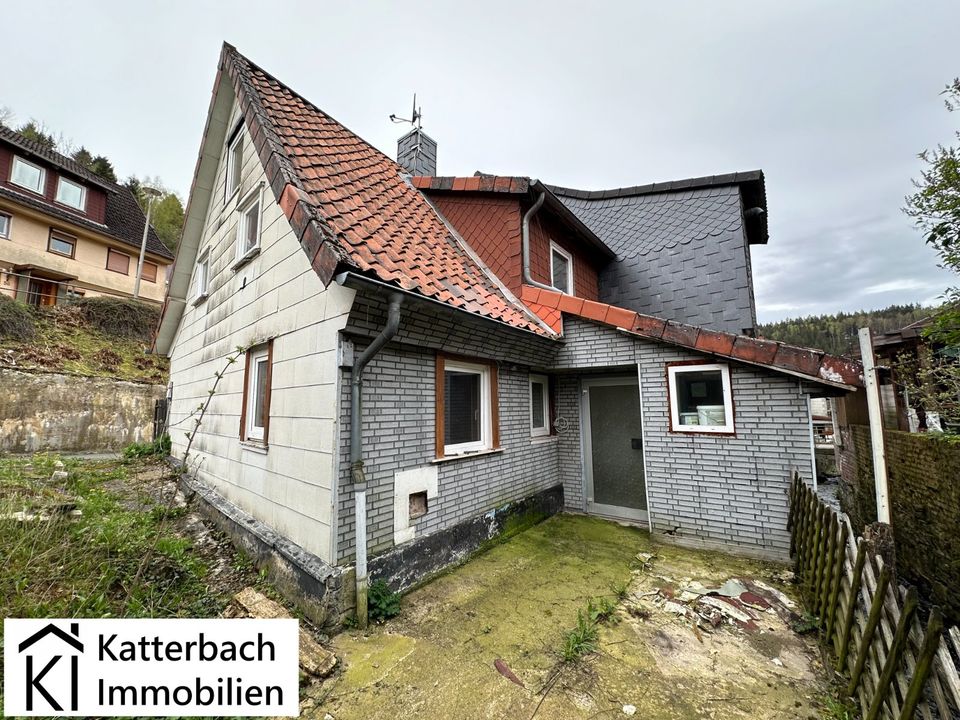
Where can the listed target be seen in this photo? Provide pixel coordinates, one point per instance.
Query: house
(431, 359)
(67, 233)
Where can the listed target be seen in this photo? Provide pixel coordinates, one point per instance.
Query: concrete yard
(662, 655)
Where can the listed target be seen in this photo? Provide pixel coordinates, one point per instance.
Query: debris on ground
(315, 660)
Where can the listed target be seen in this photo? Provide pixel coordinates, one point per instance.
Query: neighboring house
(488, 389)
(67, 233)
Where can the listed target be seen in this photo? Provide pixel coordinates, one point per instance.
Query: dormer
(491, 213)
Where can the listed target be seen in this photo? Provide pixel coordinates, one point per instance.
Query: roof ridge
(733, 178)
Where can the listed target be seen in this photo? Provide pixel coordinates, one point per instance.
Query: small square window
(61, 245)
(234, 164)
(71, 194)
(539, 405)
(27, 175)
(5, 225)
(700, 398)
(248, 227)
(418, 504)
(256, 397)
(561, 269)
(467, 398)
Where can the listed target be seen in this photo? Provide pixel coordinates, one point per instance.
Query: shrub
(16, 320)
(121, 317)
(383, 603)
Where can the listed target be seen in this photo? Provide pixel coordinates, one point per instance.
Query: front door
(613, 448)
(42, 292)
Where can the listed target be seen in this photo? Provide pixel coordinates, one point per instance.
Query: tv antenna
(415, 116)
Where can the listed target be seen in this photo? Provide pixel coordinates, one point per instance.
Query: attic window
(27, 175)
(561, 269)
(700, 398)
(201, 278)
(234, 164)
(71, 194)
(248, 227)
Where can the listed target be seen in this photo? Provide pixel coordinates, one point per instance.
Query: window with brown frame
(118, 262)
(467, 406)
(60, 244)
(255, 414)
(149, 272)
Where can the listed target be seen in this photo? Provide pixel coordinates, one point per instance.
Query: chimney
(417, 153)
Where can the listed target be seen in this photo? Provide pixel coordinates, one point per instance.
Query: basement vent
(418, 505)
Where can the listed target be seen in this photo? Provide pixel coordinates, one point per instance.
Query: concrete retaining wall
(67, 413)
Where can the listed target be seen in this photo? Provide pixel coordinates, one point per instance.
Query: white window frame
(13, 173)
(6, 233)
(201, 278)
(545, 381)
(83, 194)
(257, 358)
(486, 411)
(554, 248)
(229, 192)
(255, 196)
(728, 426)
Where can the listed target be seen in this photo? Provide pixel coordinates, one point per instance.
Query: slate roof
(123, 218)
(352, 206)
(646, 219)
(809, 363)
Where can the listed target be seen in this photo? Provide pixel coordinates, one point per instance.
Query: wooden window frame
(43, 175)
(83, 194)
(490, 401)
(554, 248)
(253, 355)
(678, 368)
(129, 258)
(544, 431)
(62, 237)
(6, 235)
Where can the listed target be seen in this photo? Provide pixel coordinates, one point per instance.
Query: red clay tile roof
(351, 204)
(814, 364)
(476, 183)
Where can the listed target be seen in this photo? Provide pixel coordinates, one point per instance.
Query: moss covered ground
(515, 603)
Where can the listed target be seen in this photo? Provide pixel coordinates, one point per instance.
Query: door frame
(615, 512)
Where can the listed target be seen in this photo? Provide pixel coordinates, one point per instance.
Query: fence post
(852, 603)
(931, 641)
(872, 621)
(895, 654)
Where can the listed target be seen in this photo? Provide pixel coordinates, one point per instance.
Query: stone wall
(923, 471)
(68, 413)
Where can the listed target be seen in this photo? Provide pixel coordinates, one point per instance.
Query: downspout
(525, 243)
(356, 449)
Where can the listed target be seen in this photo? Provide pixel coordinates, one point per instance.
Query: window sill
(467, 455)
(199, 299)
(254, 446)
(245, 258)
(230, 197)
(543, 439)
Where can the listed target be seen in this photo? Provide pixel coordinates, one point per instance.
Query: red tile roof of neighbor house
(352, 205)
(814, 364)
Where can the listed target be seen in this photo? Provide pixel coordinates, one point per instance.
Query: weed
(601, 611)
(620, 589)
(383, 603)
(159, 448)
(581, 640)
(807, 623)
(838, 709)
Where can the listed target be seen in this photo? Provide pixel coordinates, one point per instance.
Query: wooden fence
(893, 665)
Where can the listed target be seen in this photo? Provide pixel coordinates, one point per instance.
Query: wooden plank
(829, 552)
(948, 674)
(802, 546)
(818, 542)
(867, 640)
(839, 559)
(894, 656)
(931, 641)
(852, 604)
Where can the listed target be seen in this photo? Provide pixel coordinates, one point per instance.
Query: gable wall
(276, 295)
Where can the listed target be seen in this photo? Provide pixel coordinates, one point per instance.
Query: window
(71, 193)
(234, 164)
(255, 418)
(60, 244)
(700, 398)
(5, 225)
(248, 228)
(118, 262)
(27, 175)
(201, 278)
(466, 407)
(561, 269)
(539, 405)
(149, 272)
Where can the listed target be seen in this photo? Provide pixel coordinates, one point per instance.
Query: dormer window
(561, 269)
(71, 194)
(27, 175)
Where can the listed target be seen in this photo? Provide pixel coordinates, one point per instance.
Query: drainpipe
(525, 242)
(356, 449)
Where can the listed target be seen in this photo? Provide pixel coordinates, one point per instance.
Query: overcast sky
(833, 100)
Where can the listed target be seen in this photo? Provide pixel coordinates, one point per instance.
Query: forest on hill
(837, 334)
